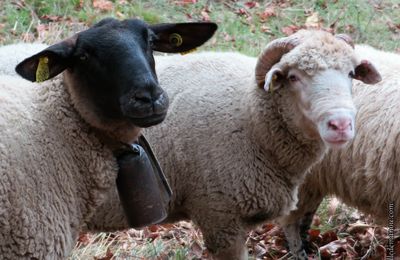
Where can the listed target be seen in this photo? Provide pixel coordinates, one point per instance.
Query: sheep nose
(148, 94)
(143, 96)
(340, 124)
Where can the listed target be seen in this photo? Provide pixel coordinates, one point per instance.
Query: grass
(241, 28)
(172, 241)
(332, 214)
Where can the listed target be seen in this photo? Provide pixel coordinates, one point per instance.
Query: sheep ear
(181, 37)
(48, 63)
(367, 73)
(273, 79)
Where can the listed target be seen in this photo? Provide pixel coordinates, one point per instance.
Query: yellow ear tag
(42, 70)
(271, 84)
(189, 51)
(175, 39)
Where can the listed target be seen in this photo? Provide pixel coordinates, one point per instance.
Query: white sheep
(57, 137)
(11, 55)
(365, 174)
(234, 153)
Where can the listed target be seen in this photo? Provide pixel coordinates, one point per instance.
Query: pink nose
(340, 124)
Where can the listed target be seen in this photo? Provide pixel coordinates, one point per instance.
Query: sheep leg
(298, 222)
(224, 239)
(292, 233)
(305, 225)
(297, 234)
(236, 250)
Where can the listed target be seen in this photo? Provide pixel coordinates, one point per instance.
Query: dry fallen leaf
(84, 238)
(228, 38)
(275, 231)
(328, 237)
(350, 28)
(168, 225)
(265, 29)
(251, 4)
(241, 11)
(259, 250)
(393, 27)
(185, 2)
(196, 249)
(103, 5)
(313, 233)
(19, 4)
(288, 30)
(205, 16)
(153, 228)
(42, 30)
(313, 21)
(316, 220)
(380, 252)
(334, 246)
(52, 18)
(109, 255)
(80, 4)
(268, 12)
(358, 228)
(267, 227)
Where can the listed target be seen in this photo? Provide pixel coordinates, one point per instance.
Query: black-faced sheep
(234, 153)
(365, 174)
(56, 166)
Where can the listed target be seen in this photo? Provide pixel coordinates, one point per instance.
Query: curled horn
(345, 38)
(272, 54)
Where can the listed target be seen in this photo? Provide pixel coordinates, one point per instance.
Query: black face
(111, 70)
(113, 64)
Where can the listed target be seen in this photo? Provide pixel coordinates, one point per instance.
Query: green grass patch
(241, 28)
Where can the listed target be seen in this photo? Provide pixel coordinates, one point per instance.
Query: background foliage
(245, 26)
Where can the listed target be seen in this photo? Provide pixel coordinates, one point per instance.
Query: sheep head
(316, 69)
(109, 70)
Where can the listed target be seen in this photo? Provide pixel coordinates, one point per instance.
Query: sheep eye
(293, 78)
(351, 74)
(83, 57)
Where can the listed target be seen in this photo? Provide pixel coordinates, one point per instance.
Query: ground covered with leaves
(338, 232)
(245, 26)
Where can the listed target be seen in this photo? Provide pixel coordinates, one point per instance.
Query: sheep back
(11, 55)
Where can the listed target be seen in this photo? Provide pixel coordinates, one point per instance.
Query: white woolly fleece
(11, 55)
(53, 171)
